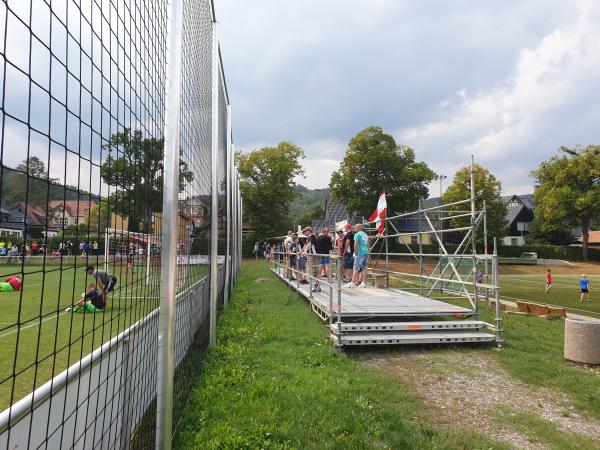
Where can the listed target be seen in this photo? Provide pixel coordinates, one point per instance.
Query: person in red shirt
(548, 281)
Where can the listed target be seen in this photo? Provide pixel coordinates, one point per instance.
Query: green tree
(267, 186)
(375, 162)
(135, 167)
(568, 190)
(98, 217)
(316, 212)
(487, 188)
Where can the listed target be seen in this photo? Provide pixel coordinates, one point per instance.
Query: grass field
(528, 283)
(520, 282)
(274, 381)
(39, 339)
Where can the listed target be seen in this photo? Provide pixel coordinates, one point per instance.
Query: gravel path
(466, 388)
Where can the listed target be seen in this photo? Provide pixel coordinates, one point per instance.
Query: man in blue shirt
(585, 289)
(361, 258)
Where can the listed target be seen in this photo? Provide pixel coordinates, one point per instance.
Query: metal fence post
(495, 277)
(214, 229)
(228, 221)
(166, 336)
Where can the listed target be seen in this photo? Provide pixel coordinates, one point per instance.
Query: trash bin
(582, 340)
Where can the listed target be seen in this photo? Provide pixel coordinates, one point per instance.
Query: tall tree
(267, 186)
(135, 167)
(375, 162)
(487, 188)
(568, 190)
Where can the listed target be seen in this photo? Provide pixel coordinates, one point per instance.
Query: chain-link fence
(96, 228)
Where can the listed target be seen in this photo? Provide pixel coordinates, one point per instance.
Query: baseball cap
(348, 226)
(309, 229)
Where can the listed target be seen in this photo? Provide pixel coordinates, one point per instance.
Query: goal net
(126, 251)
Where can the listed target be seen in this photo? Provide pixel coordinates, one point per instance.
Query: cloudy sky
(506, 80)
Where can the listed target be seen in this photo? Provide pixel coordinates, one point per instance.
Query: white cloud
(507, 80)
(549, 100)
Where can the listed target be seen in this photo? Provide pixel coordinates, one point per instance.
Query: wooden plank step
(416, 337)
(411, 326)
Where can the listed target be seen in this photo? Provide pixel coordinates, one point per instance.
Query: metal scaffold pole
(473, 230)
(166, 333)
(420, 251)
(214, 229)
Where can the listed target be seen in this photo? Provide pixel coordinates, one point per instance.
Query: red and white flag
(380, 213)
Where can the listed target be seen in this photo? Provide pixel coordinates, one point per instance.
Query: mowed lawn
(528, 283)
(275, 381)
(45, 338)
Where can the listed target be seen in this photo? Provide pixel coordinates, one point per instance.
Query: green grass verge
(274, 381)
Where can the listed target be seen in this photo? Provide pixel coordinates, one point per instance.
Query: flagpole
(387, 262)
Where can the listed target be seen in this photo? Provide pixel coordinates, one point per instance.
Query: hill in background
(307, 200)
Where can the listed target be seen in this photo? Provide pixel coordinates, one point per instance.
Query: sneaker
(69, 309)
(304, 282)
(349, 285)
(362, 285)
(317, 289)
(291, 279)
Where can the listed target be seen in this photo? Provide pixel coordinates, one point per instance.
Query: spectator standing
(348, 244)
(256, 250)
(324, 247)
(308, 250)
(361, 258)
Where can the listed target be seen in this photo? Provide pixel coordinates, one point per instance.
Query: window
(514, 241)
(414, 240)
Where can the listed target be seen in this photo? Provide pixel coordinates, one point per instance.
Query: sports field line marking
(46, 319)
(32, 324)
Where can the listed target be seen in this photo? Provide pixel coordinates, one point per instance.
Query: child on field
(91, 301)
(584, 283)
(548, 281)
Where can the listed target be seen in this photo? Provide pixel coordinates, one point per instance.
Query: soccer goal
(131, 248)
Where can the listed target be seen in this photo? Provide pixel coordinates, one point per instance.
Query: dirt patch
(467, 389)
(261, 280)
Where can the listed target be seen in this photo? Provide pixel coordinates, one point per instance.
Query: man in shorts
(361, 258)
(348, 244)
(584, 283)
(104, 281)
(548, 281)
(324, 246)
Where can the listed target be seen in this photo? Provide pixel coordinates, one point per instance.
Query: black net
(81, 192)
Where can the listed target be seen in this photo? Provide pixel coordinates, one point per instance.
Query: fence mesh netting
(81, 196)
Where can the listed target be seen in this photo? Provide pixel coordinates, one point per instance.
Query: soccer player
(91, 301)
(548, 281)
(11, 284)
(105, 281)
(585, 289)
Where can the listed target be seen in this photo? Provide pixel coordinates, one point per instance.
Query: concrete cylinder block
(582, 340)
